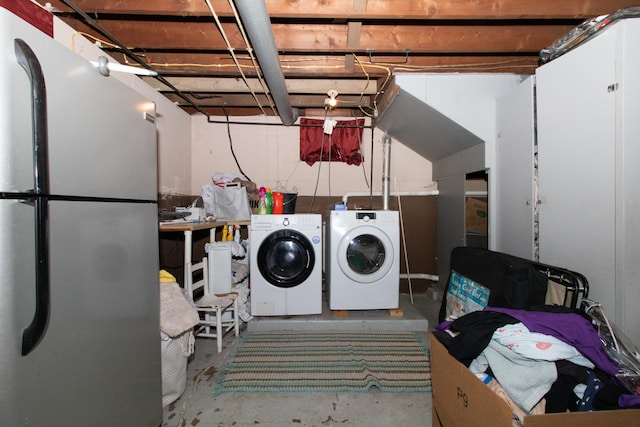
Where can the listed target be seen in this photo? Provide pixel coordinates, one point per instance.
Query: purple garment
(568, 327)
(444, 325)
(628, 400)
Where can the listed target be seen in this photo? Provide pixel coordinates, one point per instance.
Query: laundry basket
(175, 353)
(177, 319)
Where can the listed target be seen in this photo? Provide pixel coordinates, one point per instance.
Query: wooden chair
(218, 312)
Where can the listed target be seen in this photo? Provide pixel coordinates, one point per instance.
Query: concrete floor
(197, 407)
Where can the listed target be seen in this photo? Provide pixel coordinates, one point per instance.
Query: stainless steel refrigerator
(79, 299)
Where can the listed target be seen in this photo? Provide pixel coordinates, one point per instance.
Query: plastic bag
(228, 203)
(617, 346)
(585, 31)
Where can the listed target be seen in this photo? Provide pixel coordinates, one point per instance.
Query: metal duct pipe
(386, 169)
(422, 276)
(255, 20)
(347, 196)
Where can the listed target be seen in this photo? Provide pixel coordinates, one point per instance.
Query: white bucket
(220, 278)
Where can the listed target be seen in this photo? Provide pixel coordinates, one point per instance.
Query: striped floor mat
(287, 361)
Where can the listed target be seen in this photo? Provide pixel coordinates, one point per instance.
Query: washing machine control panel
(365, 216)
(274, 222)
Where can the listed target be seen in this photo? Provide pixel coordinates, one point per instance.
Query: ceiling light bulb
(105, 67)
(331, 101)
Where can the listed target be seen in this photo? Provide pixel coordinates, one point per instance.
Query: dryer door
(286, 258)
(365, 254)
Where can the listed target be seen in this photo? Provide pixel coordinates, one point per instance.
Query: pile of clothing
(546, 359)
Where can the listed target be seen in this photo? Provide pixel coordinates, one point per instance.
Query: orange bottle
(278, 200)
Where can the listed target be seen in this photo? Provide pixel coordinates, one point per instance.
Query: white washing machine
(363, 260)
(285, 256)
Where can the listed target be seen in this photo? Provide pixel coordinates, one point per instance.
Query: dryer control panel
(365, 216)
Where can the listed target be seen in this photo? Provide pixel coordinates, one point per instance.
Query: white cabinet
(588, 132)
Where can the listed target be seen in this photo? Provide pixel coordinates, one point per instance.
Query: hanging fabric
(342, 145)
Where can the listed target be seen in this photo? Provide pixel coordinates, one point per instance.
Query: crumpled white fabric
(522, 362)
(534, 345)
(525, 380)
(243, 297)
(239, 271)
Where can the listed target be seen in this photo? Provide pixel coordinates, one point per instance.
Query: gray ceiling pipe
(257, 24)
(386, 171)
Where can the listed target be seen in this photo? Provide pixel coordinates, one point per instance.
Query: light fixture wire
(233, 55)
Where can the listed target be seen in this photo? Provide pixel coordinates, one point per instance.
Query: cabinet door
(515, 172)
(628, 207)
(576, 163)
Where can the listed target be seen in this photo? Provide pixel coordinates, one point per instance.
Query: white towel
(525, 380)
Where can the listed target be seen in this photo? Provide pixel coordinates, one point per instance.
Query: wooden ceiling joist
(294, 86)
(352, 46)
(331, 38)
(373, 9)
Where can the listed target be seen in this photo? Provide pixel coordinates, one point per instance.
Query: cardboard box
(460, 399)
(476, 215)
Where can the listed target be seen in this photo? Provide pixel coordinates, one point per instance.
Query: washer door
(365, 254)
(286, 258)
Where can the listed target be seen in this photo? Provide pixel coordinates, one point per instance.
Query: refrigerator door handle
(33, 333)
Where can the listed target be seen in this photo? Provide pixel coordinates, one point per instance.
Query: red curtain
(343, 145)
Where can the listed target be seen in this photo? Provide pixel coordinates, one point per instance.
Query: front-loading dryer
(363, 260)
(285, 264)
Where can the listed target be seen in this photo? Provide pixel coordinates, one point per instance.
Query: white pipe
(346, 196)
(255, 19)
(386, 169)
(420, 276)
(404, 245)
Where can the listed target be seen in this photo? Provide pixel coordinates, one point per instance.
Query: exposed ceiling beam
(246, 100)
(332, 38)
(352, 46)
(234, 85)
(375, 9)
(327, 66)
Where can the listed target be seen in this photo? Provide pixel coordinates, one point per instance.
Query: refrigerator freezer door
(100, 141)
(99, 362)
